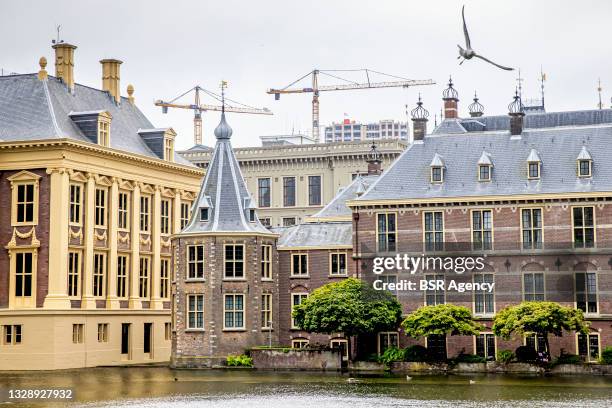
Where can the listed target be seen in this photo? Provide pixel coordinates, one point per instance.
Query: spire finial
(223, 85)
(223, 130)
(599, 89)
(519, 80)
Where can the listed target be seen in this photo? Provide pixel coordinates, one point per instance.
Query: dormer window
(103, 131)
(252, 215)
(169, 149)
(437, 174)
(534, 165)
(484, 172)
(485, 167)
(160, 141)
(203, 214)
(584, 163)
(534, 170)
(437, 169)
(584, 168)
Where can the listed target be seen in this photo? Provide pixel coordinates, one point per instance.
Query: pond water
(162, 387)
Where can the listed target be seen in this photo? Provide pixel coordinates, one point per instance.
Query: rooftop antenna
(600, 104)
(519, 80)
(57, 40)
(542, 80)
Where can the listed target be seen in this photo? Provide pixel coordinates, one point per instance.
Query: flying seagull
(468, 52)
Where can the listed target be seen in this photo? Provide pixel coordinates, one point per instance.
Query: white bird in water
(472, 382)
(468, 52)
(408, 378)
(352, 380)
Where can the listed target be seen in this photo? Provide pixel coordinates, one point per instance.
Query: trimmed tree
(351, 306)
(540, 318)
(445, 319)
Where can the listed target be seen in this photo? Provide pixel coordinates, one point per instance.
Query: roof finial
(542, 80)
(476, 109)
(600, 104)
(223, 130)
(42, 73)
(519, 80)
(223, 85)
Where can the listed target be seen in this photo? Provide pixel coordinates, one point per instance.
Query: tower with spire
(225, 273)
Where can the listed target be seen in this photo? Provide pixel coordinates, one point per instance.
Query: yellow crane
(198, 108)
(348, 85)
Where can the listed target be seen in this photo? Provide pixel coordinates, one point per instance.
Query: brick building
(532, 192)
(90, 193)
(225, 293)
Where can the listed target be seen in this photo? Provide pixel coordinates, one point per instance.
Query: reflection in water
(162, 387)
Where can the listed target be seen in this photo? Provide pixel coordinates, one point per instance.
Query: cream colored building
(291, 182)
(91, 193)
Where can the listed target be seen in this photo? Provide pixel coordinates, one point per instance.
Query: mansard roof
(224, 193)
(558, 139)
(31, 109)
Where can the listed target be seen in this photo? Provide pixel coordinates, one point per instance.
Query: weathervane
(57, 40)
(468, 52)
(223, 85)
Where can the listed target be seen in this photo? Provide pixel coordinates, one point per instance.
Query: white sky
(169, 46)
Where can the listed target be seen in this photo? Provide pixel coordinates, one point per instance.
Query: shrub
(469, 358)
(241, 360)
(390, 355)
(606, 355)
(565, 358)
(526, 354)
(416, 353)
(505, 356)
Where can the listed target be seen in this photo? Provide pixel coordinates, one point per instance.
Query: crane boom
(350, 85)
(198, 108)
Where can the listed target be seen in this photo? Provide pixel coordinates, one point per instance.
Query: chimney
(110, 77)
(450, 98)
(419, 117)
(516, 112)
(64, 63)
(374, 161)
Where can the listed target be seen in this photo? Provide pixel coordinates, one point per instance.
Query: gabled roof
(437, 161)
(485, 159)
(584, 154)
(31, 109)
(533, 156)
(337, 206)
(558, 147)
(224, 192)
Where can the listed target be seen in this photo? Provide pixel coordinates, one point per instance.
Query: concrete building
(532, 192)
(91, 193)
(292, 182)
(351, 131)
(282, 140)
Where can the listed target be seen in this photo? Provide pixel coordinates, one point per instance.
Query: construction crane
(198, 108)
(349, 85)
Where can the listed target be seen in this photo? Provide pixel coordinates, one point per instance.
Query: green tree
(540, 318)
(351, 306)
(446, 319)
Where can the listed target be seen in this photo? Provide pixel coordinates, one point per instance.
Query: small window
(169, 149)
(185, 207)
(233, 309)
(104, 133)
(299, 265)
(266, 222)
(195, 262)
(195, 312)
(485, 346)
(340, 345)
(12, 334)
(299, 343)
(436, 174)
(484, 172)
(288, 222)
(252, 215)
(203, 214)
(234, 262)
(102, 332)
(533, 169)
(77, 333)
(266, 262)
(584, 168)
(338, 264)
(588, 347)
(266, 311)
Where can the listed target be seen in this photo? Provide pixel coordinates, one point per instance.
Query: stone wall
(296, 359)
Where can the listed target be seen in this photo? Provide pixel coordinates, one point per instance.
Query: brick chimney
(374, 160)
(450, 98)
(64, 63)
(517, 114)
(110, 77)
(419, 117)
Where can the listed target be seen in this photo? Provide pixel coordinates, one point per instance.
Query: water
(158, 387)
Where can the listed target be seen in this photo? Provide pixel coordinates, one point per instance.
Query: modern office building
(351, 131)
(91, 192)
(292, 182)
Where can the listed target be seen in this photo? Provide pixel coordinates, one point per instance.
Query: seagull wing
(468, 44)
(491, 62)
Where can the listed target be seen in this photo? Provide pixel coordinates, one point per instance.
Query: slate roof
(558, 138)
(337, 206)
(224, 192)
(31, 109)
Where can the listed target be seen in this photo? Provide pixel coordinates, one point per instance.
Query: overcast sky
(169, 46)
